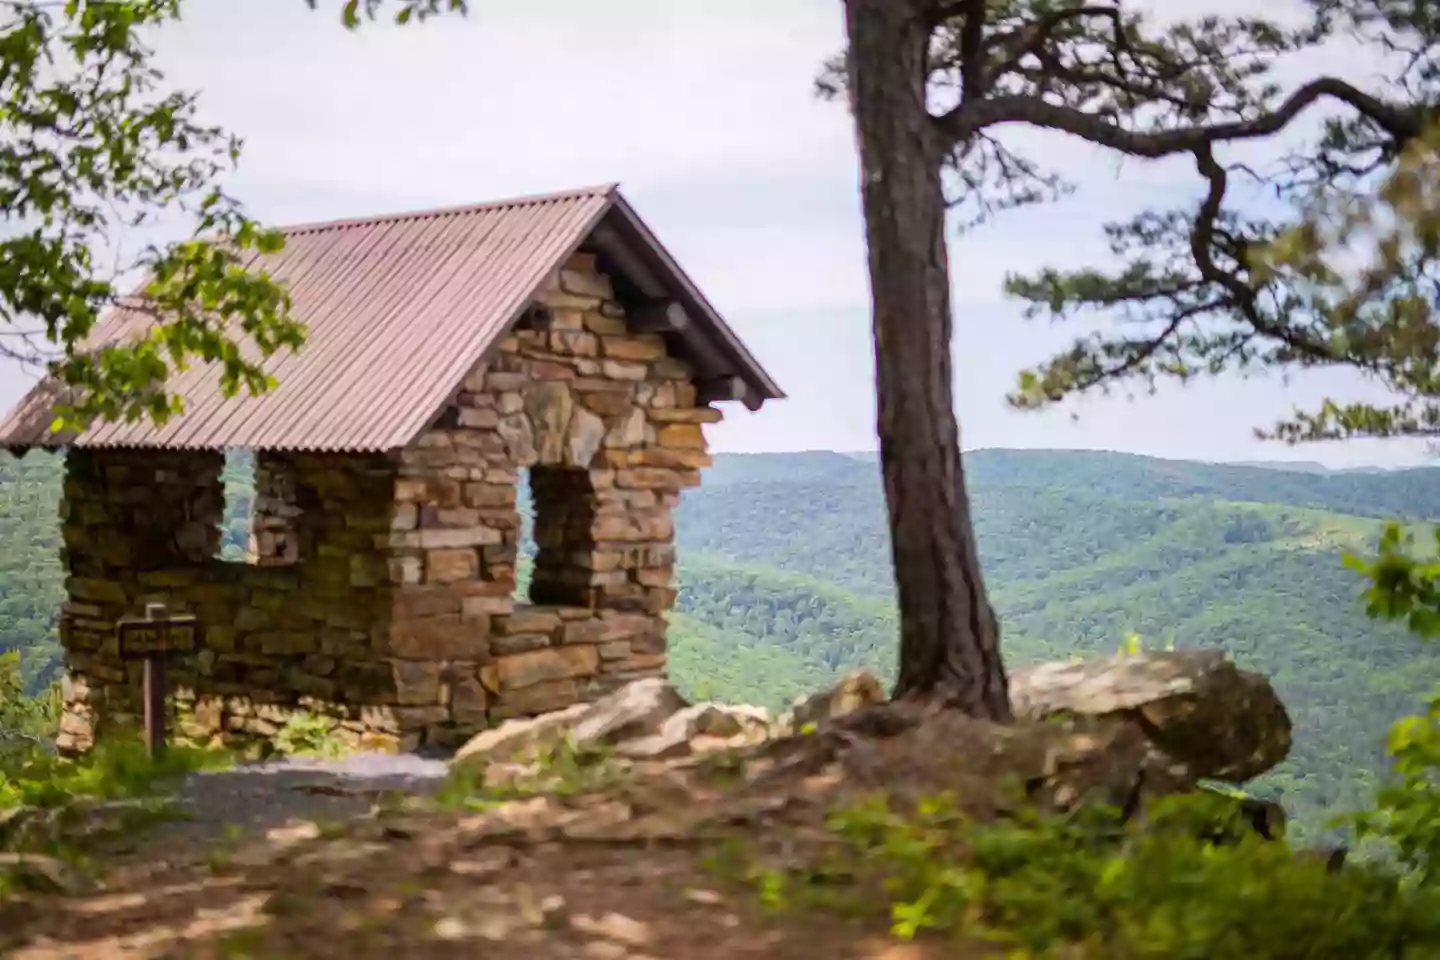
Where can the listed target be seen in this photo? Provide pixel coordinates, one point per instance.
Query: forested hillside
(786, 583)
(1081, 549)
(31, 582)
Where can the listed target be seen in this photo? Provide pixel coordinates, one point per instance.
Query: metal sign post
(150, 640)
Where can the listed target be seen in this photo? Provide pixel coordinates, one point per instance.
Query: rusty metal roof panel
(398, 310)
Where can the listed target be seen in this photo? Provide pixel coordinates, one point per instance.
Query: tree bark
(949, 641)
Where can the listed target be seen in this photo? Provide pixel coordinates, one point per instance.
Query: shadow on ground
(430, 886)
(255, 798)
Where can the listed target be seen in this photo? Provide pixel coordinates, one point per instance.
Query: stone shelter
(449, 352)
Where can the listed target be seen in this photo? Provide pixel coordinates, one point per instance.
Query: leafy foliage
(308, 734)
(1192, 882)
(25, 721)
(98, 146)
(351, 11)
(118, 770)
(1407, 811)
(1363, 265)
(71, 808)
(1403, 581)
(1226, 283)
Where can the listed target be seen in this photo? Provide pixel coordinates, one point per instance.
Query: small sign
(149, 639)
(139, 638)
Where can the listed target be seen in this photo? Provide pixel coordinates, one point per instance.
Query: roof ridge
(405, 308)
(317, 226)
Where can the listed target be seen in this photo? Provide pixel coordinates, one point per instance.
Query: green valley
(1080, 550)
(785, 582)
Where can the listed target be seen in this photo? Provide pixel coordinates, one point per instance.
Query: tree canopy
(97, 146)
(1216, 286)
(1213, 286)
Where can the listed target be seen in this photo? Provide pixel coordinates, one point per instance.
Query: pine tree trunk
(949, 642)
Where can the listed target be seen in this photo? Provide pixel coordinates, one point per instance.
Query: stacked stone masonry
(380, 589)
(275, 532)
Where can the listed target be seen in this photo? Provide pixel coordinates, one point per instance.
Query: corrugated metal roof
(398, 310)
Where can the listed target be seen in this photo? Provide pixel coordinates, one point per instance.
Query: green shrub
(308, 734)
(1037, 885)
(562, 769)
(24, 720)
(113, 770)
(1404, 585)
(73, 808)
(1406, 818)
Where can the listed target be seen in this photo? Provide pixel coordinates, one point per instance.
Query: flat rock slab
(1198, 707)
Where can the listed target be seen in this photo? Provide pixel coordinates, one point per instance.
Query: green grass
(1192, 883)
(74, 809)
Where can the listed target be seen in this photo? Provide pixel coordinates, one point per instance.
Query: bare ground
(632, 868)
(434, 885)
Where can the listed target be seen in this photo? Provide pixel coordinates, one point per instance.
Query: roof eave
(730, 372)
(623, 226)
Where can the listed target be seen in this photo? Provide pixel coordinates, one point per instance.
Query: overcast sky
(704, 113)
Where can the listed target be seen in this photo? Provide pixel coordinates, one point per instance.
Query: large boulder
(698, 729)
(1195, 706)
(516, 738)
(643, 720)
(635, 711)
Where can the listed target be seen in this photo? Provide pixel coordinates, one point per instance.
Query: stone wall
(606, 422)
(380, 590)
(141, 527)
(129, 518)
(276, 531)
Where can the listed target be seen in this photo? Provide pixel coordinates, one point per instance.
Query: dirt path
(615, 860)
(438, 885)
(249, 800)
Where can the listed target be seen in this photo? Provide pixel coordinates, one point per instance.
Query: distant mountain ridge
(1079, 548)
(1293, 466)
(1311, 467)
(1402, 493)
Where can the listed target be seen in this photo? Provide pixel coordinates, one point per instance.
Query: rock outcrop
(645, 719)
(701, 728)
(1195, 706)
(1117, 731)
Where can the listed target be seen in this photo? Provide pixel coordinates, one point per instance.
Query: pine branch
(969, 119)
